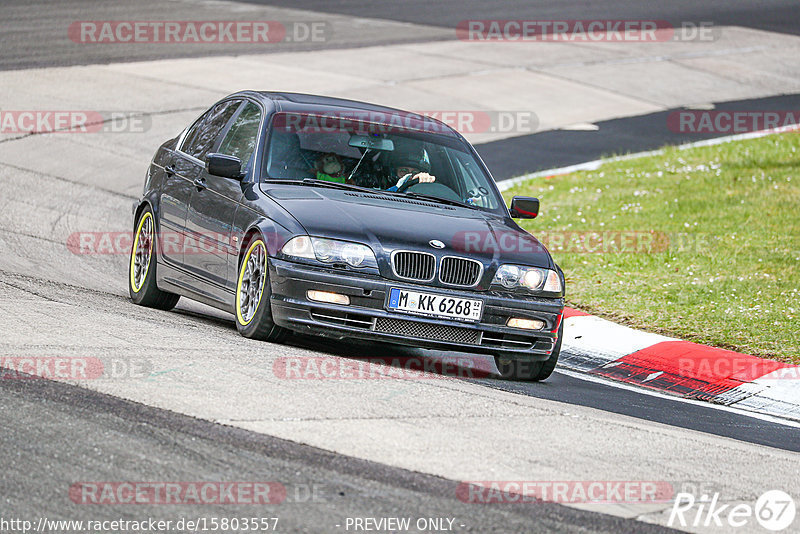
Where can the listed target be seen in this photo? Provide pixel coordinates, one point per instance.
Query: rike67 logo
(774, 510)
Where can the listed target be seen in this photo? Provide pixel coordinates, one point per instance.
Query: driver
(407, 169)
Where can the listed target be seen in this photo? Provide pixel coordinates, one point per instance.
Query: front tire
(527, 370)
(142, 285)
(253, 310)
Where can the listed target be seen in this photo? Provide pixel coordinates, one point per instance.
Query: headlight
(299, 247)
(332, 251)
(531, 278)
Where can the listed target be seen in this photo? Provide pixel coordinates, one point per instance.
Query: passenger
(329, 167)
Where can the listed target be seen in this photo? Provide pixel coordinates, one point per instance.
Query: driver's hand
(423, 178)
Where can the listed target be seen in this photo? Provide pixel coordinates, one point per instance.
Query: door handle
(170, 170)
(200, 184)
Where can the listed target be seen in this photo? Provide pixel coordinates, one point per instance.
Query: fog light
(331, 298)
(526, 324)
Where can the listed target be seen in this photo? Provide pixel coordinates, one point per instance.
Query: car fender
(150, 199)
(274, 235)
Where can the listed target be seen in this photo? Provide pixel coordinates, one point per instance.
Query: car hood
(388, 222)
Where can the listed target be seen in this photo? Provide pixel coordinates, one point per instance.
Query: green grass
(713, 253)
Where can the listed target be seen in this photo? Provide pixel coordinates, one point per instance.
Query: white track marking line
(654, 393)
(504, 185)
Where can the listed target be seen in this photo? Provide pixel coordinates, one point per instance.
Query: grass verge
(702, 244)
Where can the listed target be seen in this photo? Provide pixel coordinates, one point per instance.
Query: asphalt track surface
(606, 396)
(34, 33)
(54, 434)
(571, 390)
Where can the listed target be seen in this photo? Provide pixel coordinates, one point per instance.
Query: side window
(241, 139)
(477, 193)
(202, 135)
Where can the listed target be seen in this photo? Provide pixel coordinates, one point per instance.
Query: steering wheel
(434, 189)
(408, 183)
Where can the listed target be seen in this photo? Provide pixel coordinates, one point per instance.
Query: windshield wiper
(440, 200)
(335, 185)
(313, 182)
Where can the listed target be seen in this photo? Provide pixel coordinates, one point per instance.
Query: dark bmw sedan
(339, 218)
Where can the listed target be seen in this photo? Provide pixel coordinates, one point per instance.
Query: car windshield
(415, 160)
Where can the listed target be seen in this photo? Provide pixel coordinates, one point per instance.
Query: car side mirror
(224, 165)
(524, 207)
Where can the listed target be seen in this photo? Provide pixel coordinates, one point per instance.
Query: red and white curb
(606, 349)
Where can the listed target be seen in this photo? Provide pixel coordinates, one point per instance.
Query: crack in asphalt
(23, 234)
(25, 290)
(36, 279)
(67, 180)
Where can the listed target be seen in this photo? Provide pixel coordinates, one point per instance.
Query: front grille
(452, 334)
(460, 271)
(417, 266)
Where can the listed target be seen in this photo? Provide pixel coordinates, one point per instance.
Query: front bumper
(367, 316)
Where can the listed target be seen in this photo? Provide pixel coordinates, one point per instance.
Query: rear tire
(142, 285)
(253, 310)
(528, 370)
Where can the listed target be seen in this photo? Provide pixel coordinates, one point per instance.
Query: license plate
(430, 305)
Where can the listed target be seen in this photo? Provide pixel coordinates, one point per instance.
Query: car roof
(308, 103)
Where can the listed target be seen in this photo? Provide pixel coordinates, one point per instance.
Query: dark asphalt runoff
(516, 156)
(771, 15)
(54, 436)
